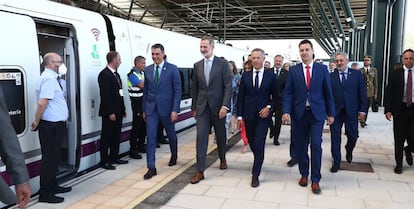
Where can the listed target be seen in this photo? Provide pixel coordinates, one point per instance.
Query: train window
(12, 84)
(185, 74)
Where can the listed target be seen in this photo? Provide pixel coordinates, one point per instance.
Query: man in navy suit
(161, 102)
(257, 96)
(308, 99)
(350, 84)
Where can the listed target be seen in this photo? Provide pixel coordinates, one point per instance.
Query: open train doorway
(60, 38)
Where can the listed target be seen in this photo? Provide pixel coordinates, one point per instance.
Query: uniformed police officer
(135, 90)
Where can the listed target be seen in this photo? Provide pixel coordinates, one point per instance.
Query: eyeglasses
(59, 62)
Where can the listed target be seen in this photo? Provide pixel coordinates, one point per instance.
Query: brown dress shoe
(197, 178)
(223, 165)
(303, 181)
(315, 188)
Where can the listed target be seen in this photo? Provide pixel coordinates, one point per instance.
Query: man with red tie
(398, 103)
(307, 102)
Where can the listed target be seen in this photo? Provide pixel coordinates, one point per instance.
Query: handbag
(374, 106)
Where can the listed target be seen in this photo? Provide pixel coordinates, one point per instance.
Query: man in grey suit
(211, 93)
(12, 156)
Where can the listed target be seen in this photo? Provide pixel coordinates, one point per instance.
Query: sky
(289, 48)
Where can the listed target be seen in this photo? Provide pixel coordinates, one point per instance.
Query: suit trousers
(110, 139)
(138, 131)
(278, 122)
(204, 122)
(403, 130)
(308, 130)
(369, 103)
(351, 131)
(152, 126)
(256, 131)
(50, 135)
(293, 144)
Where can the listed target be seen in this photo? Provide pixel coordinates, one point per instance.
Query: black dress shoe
(398, 170)
(163, 141)
(292, 162)
(119, 161)
(173, 161)
(255, 181)
(108, 166)
(276, 142)
(150, 173)
(334, 168)
(272, 132)
(408, 156)
(158, 145)
(135, 156)
(50, 198)
(60, 189)
(348, 156)
(142, 150)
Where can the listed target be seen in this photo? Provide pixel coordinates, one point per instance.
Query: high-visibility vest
(135, 91)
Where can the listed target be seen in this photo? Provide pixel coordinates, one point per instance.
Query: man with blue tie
(308, 100)
(257, 96)
(350, 84)
(161, 102)
(211, 93)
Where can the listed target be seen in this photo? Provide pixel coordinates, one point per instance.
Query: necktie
(277, 73)
(256, 80)
(157, 75)
(308, 76)
(58, 80)
(118, 79)
(343, 78)
(207, 69)
(409, 93)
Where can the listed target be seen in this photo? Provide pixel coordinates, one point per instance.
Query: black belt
(307, 108)
(54, 122)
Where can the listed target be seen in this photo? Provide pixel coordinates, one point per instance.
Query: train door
(60, 38)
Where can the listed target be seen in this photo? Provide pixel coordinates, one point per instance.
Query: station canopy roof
(326, 21)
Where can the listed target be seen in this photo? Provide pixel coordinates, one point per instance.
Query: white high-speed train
(29, 29)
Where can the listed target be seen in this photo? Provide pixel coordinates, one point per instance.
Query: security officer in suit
(398, 103)
(371, 81)
(135, 90)
(12, 156)
(112, 110)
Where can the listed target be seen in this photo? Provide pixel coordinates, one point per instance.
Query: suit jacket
(320, 94)
(354, 91)
(111, 100)
(371, 81)
(11, 155)
(251, 100)
(217, 93)
(394, 92)
(166, 95)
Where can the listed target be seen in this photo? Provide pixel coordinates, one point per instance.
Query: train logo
(95, 32)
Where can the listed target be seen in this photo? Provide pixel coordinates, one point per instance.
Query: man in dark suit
(257, 96)
(308, 99)
(350, 84)
(162, 95)
(112, 110)
(13, 158)
(211, 94)
(398, 103)
(280, 75)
